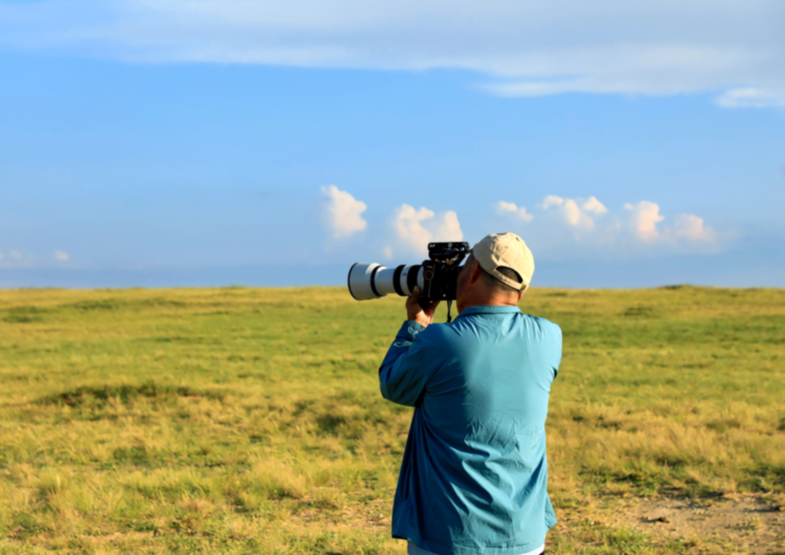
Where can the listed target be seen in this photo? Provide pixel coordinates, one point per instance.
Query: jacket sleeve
(407, 365)
(559, 350)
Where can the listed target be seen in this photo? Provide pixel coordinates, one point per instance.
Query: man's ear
(476, 274)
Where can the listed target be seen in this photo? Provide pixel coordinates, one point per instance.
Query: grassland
(244, 420)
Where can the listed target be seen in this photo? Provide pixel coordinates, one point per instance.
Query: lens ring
(411, 277)
(373, 282)
(349, 281)
(397, 280)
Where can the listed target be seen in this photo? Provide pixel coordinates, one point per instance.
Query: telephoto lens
(374, 281)
(436, 277)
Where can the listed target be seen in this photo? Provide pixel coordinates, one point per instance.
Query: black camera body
(440, 272)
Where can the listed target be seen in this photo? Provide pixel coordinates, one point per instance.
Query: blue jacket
(474, 474)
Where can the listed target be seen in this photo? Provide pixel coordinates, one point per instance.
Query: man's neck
(492, 300)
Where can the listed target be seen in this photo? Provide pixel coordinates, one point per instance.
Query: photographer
(474, 474)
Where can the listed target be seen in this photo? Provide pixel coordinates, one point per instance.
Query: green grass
(244, 420)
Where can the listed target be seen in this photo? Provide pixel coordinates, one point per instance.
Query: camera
(437, 277)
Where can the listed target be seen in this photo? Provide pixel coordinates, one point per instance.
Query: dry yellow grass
(249, 420)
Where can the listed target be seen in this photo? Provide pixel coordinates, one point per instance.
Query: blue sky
(216, 143)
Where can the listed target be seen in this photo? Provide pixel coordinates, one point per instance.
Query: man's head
(497, 272)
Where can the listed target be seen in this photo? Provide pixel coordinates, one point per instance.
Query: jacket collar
(488, 310)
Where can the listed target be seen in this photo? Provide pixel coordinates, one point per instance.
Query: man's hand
(423, 316)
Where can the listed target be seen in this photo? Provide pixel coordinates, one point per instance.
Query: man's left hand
(416, 313)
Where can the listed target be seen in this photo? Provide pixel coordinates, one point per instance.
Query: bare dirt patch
(730, 524)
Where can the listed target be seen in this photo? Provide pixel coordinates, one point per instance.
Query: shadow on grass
(93, 396)
(25, 314)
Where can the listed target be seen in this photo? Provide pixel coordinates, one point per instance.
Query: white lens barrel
(383, 281)
(360, 281)
(373, 281)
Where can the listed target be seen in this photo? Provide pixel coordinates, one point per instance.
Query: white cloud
(503, 207)
(407, 223)
(575, 211)
(575, 227)
(1, 255)
(16, 255)
(693, 228)
(593, 205)
(752, 97)
(61, 256)
(414, 229)
(525, 47)
(575, 216)
(644, 220)
(342, 212)
(446, 227)
(551, 200)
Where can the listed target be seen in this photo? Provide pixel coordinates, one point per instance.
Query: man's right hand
(416, 313)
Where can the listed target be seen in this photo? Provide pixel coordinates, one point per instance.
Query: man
(474, 474)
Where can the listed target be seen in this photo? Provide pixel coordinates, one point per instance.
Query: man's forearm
(400, 346)
(402, 373)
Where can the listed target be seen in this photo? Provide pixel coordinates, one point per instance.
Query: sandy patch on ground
(729, 524)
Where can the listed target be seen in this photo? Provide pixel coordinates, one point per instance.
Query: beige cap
(505, 250)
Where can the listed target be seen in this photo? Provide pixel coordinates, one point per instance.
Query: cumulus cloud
(510, 208)
(644, 219)
(61, 256)
(447, 228)
(594, 205)
(551, 200)
(407, 223)
(589, 226)
(693, 228)
(576, 212)
(414, 229)
(526, 48)
(343, 212)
